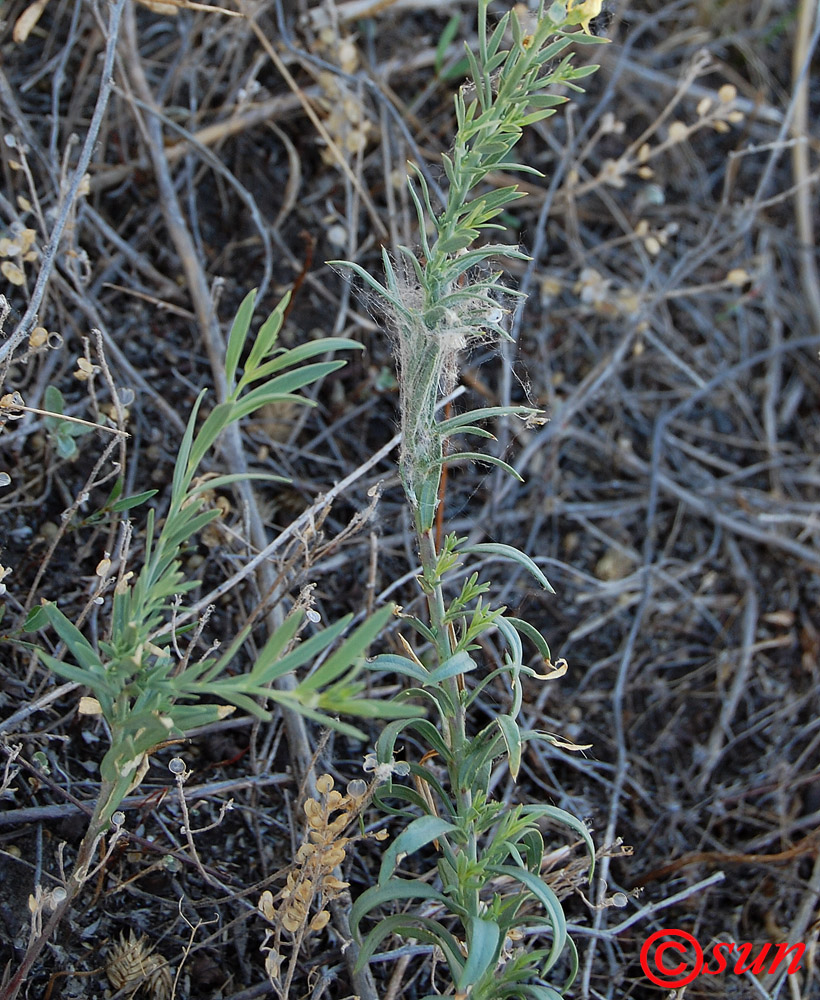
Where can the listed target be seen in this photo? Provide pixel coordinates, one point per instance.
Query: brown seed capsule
(130, 964)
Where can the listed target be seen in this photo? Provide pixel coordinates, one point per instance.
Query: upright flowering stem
(439, 302)
(454, 304)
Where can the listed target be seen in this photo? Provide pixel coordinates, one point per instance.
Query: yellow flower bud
(582, 12)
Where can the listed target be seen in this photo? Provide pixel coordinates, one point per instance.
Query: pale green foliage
(442, 300)
(438, 301)
(62, 433)
(145, 690)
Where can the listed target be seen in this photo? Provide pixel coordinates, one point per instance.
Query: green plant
(439, 301)
(143, 690)
(62, 433)
(148, 690)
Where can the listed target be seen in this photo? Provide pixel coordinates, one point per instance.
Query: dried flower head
(19, 247)
(85, 370)
(383, 770)
(345, 116)
(12, 406)
(312, 879)
(131, 964)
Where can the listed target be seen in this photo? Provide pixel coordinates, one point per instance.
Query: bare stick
(67, 203)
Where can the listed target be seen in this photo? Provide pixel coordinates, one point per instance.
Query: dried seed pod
(38, 337)
(130, 964)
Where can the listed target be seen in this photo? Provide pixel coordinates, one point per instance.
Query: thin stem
(70, 198)
(74, 884)
(457, 724)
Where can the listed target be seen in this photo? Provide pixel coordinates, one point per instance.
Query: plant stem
(74, 884)
(457, 722)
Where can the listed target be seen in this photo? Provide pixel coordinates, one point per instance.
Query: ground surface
(672, 498)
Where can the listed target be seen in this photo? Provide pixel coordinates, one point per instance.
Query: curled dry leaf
(25, 23)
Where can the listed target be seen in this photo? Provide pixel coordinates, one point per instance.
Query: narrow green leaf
(94, 681)
(182, 475)
(495, 61)
(537, 116)
(425, 190)
(532, 633)
(458, 241)
(390, 663)
(262, 396)
(547, 100)
(237, 336)
(297, 355)
(219, 482)
(392, 891)
(284, 384)
(475, 431)
(564, 818)
(423, 773)
(420, 929)
(79, 647)
(512, 739)
(128, 503)
(427, 501)
(483, 940)
(188, 717)
(437, 695)
(272, 649)
(547, 898)
(321, 718)
(377, 287)
(489, 205)
(350, 652)
(266, 337)
(390, 275)
(459, 663)
(268, 667)
(495, 40)
(415, 263)
(415, 836)
(477, 762)
(419, 626)
(186, 529)
(533, 845)
(476, 456)
(479, 82)
(515, 555)
(573, 966)
(425, 243)
(35, 620)
(216, 422)
(225, 690)
(538, 992)
(366, 708)
(429, 735)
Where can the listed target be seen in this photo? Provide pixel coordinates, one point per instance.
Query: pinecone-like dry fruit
(131, 964)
